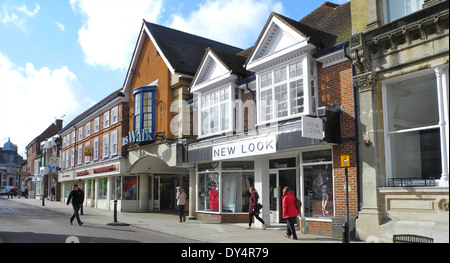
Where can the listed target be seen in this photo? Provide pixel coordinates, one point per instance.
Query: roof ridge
(191, 34)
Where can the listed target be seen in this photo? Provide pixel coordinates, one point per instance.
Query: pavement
(201, 231)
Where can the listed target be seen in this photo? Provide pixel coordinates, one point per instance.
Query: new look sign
(252, 147)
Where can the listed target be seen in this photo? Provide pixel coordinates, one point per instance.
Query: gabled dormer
(286, 75)
(212, 71)
(280, 37)
(216, 92)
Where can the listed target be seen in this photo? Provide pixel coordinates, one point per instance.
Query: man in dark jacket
(77, 198)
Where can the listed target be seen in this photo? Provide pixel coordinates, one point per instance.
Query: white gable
(276, 38)
(211, 69)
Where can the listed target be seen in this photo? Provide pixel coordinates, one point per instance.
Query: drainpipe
(355, 112)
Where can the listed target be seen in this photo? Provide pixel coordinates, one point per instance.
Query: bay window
(144, 108)
(287, 90)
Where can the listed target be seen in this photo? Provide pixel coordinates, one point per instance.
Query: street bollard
(115, 211)
(43, 200)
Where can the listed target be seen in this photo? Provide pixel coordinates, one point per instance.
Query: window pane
(209, 192)
(296, 94)
(295, 70)
(318, 197)
(224, 117)
(214, 119)
(412, 103)
(129, 189)
(281, 100)
(416, 154)
(280, 75)
(266, 105)
(266, 79)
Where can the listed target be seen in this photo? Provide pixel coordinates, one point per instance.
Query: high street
(22, 222)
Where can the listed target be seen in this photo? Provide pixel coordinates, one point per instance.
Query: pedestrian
(77, 201)
(82, 201)
(290, 212)
(26, 192)
(52, 196)
(181, 202)
(253, 208)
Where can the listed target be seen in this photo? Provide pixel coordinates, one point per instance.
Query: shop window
(318, 199)
(209, 192)
(231, 179)
(129, 188)
(103, 188)
(412, 131)
(116, 193)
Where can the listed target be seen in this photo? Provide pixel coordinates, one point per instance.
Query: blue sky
(57, 58)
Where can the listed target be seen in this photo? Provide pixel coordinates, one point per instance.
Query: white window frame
(88, 129)
(387, 18)
(204, 103)
(106, 119)
(96, 124)
(95, 150)
(87, 158)
(105, 149)
(310, 101)
(72, 154)
(73, 137)
(114, 143)
(115, 115)
(67, 159)
(80, 133)
(442, 79)
(80, 154)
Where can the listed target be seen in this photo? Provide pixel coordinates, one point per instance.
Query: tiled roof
(184, 51)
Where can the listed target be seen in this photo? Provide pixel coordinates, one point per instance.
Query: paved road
(21, 223)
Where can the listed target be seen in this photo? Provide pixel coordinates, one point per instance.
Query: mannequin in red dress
(213, 198)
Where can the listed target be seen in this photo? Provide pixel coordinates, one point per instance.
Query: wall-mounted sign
(252, 147)
(105, 169)
(87, 151)
(82, 173)
(345, 160)
(312, 128)
(137, 136)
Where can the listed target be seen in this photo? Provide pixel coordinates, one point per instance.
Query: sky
(58, 58)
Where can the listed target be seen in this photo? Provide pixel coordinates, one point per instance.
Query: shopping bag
(305, 226)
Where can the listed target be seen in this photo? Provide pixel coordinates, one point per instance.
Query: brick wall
(336, 89)
(223, 218)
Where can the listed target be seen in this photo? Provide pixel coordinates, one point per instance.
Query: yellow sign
(345, 160)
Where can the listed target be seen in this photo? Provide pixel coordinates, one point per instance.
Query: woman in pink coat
(290, 212)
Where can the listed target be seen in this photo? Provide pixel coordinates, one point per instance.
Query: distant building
(10, 162)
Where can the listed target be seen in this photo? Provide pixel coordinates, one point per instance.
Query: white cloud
(109, 33)
(60, 26)
(235, 22)
(17, 15)
(31, 99)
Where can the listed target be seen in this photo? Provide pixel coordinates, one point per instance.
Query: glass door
(156, 193)
(278, 179)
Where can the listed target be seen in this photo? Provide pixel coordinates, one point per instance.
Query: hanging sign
(312, 128)
(345, 160)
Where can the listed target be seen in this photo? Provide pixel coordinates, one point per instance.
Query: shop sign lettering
(137, 136)
(312, 128)
(252, 147)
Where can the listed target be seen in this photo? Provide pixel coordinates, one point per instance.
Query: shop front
(303, 164)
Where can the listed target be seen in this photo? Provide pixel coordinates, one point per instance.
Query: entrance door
(278, 179)
(156, 193)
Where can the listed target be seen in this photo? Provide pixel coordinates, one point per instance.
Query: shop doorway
(164, 191)
(278, 179)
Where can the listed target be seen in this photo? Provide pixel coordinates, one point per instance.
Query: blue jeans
(290, 230)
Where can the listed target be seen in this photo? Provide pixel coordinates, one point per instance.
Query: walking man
(77, 198)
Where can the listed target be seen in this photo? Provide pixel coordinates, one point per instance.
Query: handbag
(258, 207)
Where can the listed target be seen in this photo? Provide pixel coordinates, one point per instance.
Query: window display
(318, 190)
(103, 188)
(228, 189)
(129, 188)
